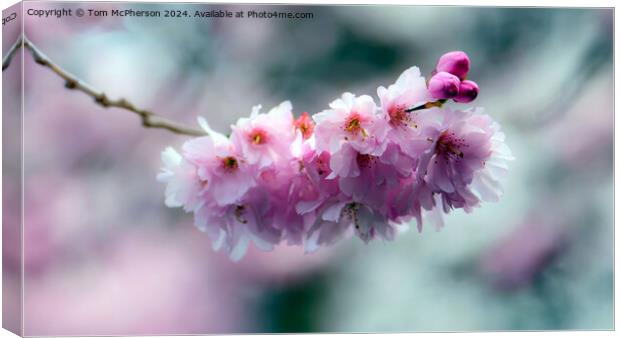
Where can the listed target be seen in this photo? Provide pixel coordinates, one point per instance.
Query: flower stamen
(399, 116)
(449, 145)
(230, 164)
(353, 125)
(305, 125)
(239, 211)
(258, 137)
(350, 211)
(365, 160)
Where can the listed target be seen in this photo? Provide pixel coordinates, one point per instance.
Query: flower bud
(444, 85)
(456, 63)
(468, 91)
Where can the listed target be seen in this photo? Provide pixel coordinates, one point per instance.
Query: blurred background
(103, 255)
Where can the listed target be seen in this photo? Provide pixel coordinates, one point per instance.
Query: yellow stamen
(257, 139)
(354, 126)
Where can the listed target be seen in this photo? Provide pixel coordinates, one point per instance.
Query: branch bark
(148, 118)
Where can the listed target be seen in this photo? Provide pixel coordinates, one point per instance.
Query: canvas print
(175, 168)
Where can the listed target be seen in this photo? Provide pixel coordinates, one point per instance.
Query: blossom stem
(148, 118)
(437, 103)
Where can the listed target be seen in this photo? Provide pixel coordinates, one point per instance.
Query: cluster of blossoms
(355, 168)
(448, 80)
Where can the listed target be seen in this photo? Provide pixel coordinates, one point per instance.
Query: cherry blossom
(353, 169)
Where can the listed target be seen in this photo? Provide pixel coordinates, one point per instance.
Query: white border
(505, 3)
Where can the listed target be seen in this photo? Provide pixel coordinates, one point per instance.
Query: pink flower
(232, 227)
(212, 179)
(304, 125)
(468, 91)
(308, 190)
(294, 224)
(221, 169)
(444, 85)
(282, 187)
(339, 219)
(359, 170)
(265, 138)
(304, 144)
(467, 158)
(377, 175)
(411, 199)
(183, 187)
(351, 126)
(456, 63)
(329, 227)
(316, 169)
(409, 91)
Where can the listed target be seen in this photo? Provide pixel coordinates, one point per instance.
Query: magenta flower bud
(468, 91)
(444, 85)
(456, 63)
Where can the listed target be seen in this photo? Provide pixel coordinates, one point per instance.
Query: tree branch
(9, 56)
(149, 119)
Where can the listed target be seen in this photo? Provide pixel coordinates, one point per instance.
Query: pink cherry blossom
(304, 125)
(283, 186)
(350, 126)
(408, 92)
(340, 219)
(221, 169)
(377, 175)
(353, 169)
(467, 159)
(183, 185)
(265, 138)
(233, 227)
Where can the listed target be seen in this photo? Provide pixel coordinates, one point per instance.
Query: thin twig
(149, 119)
(437, 103)
(9, 56)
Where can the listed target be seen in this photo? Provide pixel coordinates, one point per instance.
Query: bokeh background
(103, 255)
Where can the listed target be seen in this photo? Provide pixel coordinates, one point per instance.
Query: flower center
(365, 160)
(350, 212)
(398, 115)
(353, 125)
(258, 137)
(230, 164)
(448, 144)
(239, 213)
(305, 125)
